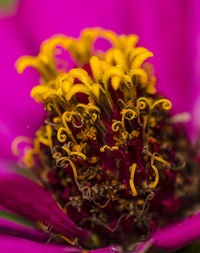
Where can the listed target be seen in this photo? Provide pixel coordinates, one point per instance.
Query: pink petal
(16, 229)
(20, 115)
(179, 234)
(16, 245)
(174, 236)
(28, 199)
(169, 28)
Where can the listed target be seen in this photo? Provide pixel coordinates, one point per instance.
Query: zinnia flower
(164, 239)
(116, 163)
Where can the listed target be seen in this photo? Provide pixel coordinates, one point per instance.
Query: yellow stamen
(131, 181)
(154, 184)
(166, 104)
(71, 153)
(17, 141)
(36, 63)
(102, 149)
(125, 112)
(142, 102)
(116, 125)
(96, 68)
(60, 135)
(62, 161)
(41, 93)
(139, 59)
(139, 72)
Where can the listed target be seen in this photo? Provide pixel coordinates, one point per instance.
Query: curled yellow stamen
(60, 135)
(128, 114)
(131, 181)
(166, 104)
(155, 156)
(116, 125)
(154, 184)
(102, 149)
(117, 57)
(17, 141)
(139, 72)
(71, 153)
(36, 63)
(137, 51)
(113, 71)
(139, 59)
(41, 92)
(62, 162)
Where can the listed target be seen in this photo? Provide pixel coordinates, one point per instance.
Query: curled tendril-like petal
(139, 72)
(156, 156)
(62, 162)
(88, 107)
(116, 81)
(77, 88)
(113, 71)
(92, 133)
(71, 153)
(64, 82)
(142, 102)
(155, 183)
(96, 68)
(136, 51)
(81, 75)
(111, 36)
(57, 155)
(116, 125)
(42, 92)
(139, 59)
(68, 116)
(166, 104)
(61, 136)
(52, 105)
(94, 116)
(35, 62)
(116, 57)
(127, 114)
(17, 141)
(102, 149)
(81, 119)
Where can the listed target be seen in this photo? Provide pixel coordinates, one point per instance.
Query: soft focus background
(168, 28)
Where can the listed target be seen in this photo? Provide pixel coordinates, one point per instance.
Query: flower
(184, 66)
(176, 62)
(103, 116)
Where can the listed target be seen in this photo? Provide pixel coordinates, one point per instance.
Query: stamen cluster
(107, 148)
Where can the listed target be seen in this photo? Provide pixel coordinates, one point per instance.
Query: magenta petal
(16, 245)
(20, 115)
(174, 236)
(18, 230)
(28, 199)
(179, 234)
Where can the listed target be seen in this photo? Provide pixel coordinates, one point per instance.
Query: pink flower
(176, 66)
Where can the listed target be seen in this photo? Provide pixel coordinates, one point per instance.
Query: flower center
(108, 150)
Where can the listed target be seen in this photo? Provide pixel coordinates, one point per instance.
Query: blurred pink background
(170, 29)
